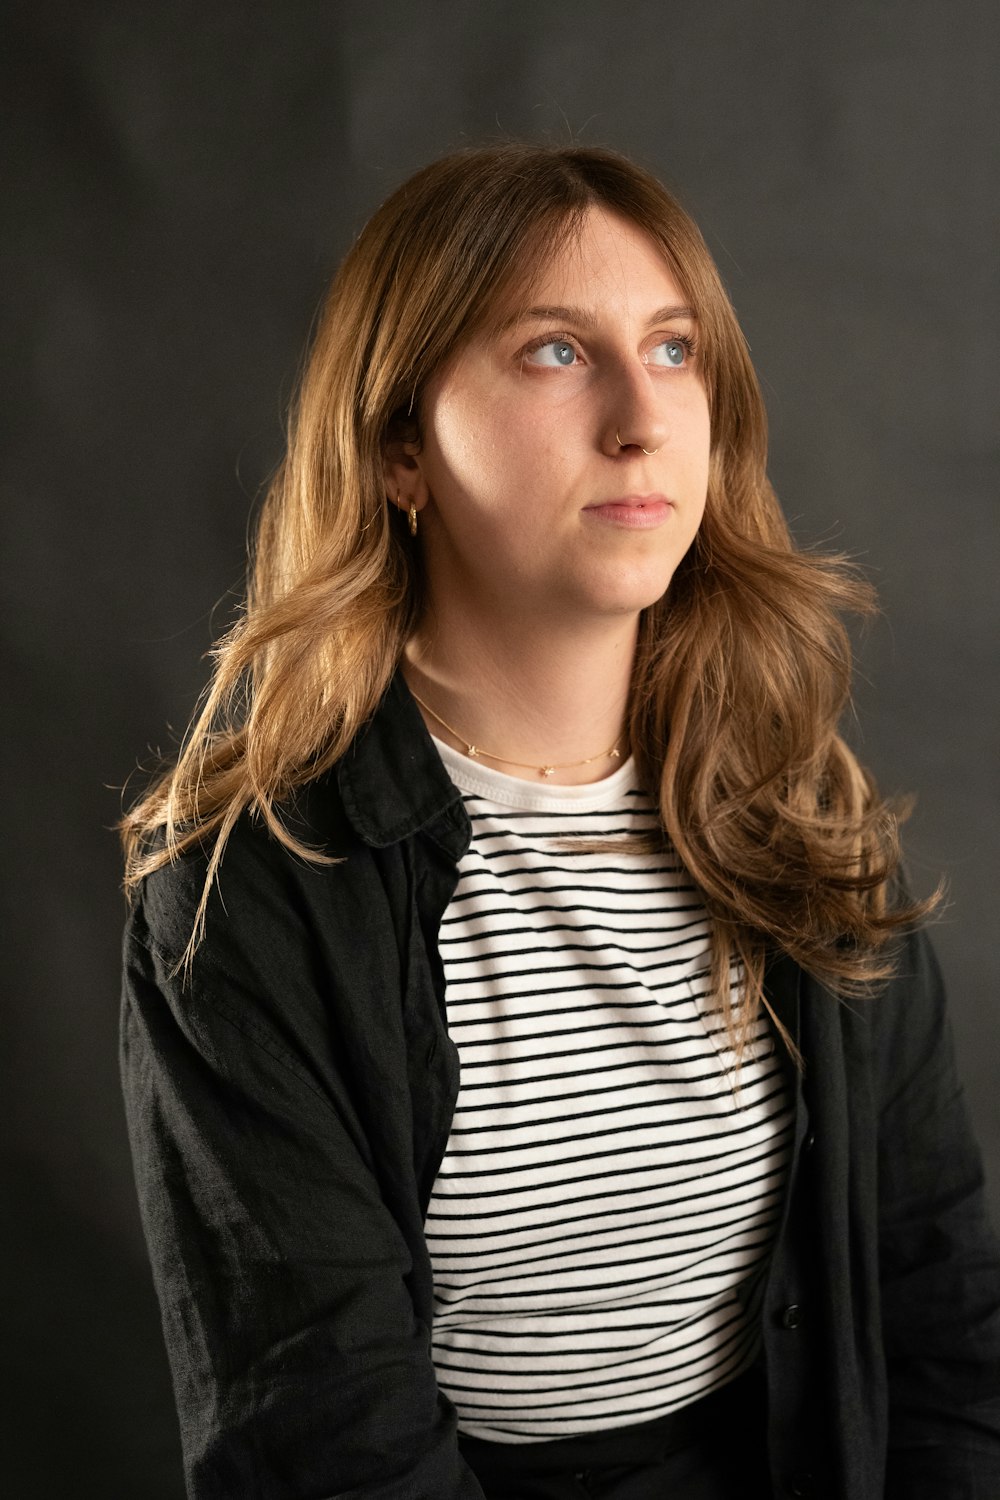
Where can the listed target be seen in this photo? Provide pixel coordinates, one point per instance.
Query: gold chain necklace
(476, 752)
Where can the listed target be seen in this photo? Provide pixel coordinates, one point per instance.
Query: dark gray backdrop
(179, 183)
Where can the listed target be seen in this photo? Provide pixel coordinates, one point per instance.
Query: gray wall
(179, 181)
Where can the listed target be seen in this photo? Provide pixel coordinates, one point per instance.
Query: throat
(559, 718)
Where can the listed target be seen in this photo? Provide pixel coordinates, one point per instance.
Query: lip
(636, 512)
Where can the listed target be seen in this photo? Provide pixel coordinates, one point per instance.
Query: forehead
(595, 259)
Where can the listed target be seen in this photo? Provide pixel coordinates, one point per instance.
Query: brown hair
(743, 668)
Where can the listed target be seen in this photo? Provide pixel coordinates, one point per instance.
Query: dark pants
(714, 1450)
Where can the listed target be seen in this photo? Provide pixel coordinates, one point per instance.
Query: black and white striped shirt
(606, 1189)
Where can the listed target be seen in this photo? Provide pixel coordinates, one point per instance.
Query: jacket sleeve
(939, 1260)
(300, 1368)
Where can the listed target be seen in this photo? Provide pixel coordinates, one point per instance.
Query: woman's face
(534, 490)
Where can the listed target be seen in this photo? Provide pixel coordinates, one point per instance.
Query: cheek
(446, 459)
(465, 472)
(477, 454)
(700, 418)
(699, 441)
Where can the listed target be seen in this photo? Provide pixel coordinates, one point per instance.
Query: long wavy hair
(743, 667)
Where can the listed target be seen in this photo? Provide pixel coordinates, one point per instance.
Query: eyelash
(686, 340)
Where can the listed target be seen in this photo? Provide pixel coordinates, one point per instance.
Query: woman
(500, 1123)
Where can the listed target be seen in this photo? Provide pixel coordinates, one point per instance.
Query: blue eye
(673, 352)
(555, 352)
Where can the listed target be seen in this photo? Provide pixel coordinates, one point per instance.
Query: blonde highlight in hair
(743, 669)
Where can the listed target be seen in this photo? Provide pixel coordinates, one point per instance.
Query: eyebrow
(584, 319)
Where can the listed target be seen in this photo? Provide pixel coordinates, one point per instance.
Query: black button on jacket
(289, 1106)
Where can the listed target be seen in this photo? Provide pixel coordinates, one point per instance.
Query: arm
(299, 1365)
(940, 1263)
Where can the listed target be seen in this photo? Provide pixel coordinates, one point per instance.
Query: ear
(405, 484)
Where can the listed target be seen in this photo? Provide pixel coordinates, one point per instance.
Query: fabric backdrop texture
(179, 181)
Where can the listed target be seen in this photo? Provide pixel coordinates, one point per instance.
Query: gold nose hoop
(648, 451)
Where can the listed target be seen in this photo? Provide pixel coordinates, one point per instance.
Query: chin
(632, 596)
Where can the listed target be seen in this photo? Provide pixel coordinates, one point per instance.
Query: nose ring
(648, 451)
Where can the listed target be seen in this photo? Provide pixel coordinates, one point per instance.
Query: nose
(634, 422)
(636, 444)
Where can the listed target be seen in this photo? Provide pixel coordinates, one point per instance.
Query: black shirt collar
(393, 783)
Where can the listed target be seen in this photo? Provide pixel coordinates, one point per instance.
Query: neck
(544, 696)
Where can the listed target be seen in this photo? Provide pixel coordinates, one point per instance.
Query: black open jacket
(289, 1106)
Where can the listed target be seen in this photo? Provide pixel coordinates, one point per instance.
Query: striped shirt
(607, 1199)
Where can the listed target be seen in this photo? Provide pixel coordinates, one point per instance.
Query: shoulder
(262, 886)
(894, 1041)
(911, 1033)
(293, 954)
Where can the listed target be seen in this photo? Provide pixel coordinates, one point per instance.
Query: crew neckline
(527, 795)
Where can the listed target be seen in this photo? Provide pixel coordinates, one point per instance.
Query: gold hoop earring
(411, 513)
(648, 451)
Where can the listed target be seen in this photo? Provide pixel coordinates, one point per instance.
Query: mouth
(638, 512)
